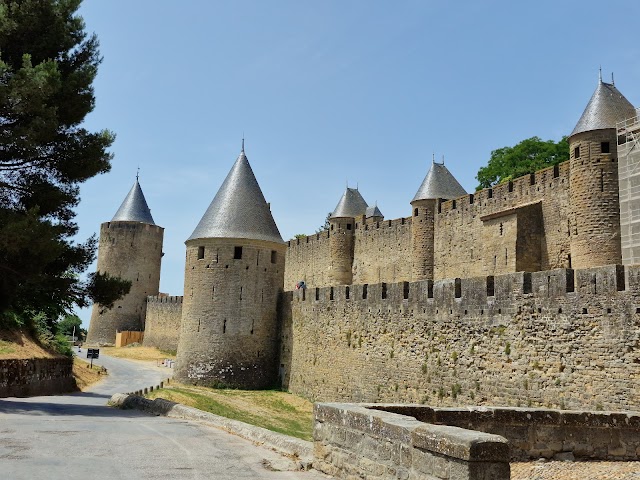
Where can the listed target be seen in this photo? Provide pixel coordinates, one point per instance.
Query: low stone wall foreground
(390, 441)
(36, 376)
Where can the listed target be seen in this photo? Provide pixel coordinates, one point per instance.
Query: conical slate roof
(239, 209)
(134, 208)
(351, 204)
(373, 212)
(439, 183)
(606, 107)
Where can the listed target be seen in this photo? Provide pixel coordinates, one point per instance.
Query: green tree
(47, 67)
(69, 324)
(526, 157)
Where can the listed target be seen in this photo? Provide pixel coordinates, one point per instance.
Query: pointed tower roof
(439, 183)
(606, 107)
(351, 204)
(239, 209)
(134, 208)
(373, 212)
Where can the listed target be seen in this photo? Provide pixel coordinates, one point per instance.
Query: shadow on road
(56, 408)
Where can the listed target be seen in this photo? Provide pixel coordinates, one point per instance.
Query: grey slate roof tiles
(373, 212)
(606, 107)
(351, 204)
(134, 208)
(239, 209)
(439, 183)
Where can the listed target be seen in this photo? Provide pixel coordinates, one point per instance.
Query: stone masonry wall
(36, 376)
(162, 324)
(382, 251)
(474, 235)
(559, 338)
(132, 251)
(308, 259)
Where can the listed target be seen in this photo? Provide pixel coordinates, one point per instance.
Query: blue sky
(329, 92)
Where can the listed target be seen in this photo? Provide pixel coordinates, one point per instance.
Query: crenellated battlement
(555, 286)
(164, 299)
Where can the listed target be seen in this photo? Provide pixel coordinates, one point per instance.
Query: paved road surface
(77, 436)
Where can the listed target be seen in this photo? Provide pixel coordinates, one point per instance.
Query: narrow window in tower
(224, 326)
(274, 256)
(262, 295)
(237, 253)
(198, 325)
(258, 258)
(601, 180)
(604, 147)
(490, 193)
(576, 152)
(365, 287)
(331, 294)
(384, 290)
(240, 293)
(505, 256)
(348, 226)
(200, 253)
(415, 212)
(252, 324)
(569, 259)
(347, 292)
(213, 291)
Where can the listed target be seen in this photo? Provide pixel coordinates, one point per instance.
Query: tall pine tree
(47, 66)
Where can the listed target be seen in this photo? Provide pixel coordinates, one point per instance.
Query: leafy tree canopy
(526, 157)
(69, 324)
(47, 67)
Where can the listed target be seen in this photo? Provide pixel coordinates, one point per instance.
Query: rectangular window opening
(458, 288)
(604, 147)
(317, 293)
(347, 293)
(274, 256)
(491, 286)
(331, 293)
(490, 193)
(237, 253)
(384, 291)
(348, 226)
(365, 287)
(576, 152)
(415, 212)
(200, 253)
(429, 289)
(405, 290)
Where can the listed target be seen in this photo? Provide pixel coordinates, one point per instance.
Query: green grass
(6, 347)
(271, 409)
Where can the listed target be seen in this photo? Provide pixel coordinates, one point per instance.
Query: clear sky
(333, 91)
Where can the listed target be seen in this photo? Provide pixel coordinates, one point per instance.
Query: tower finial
(433, 157)
(138, 174)
(242, 142)
(443, 159)
(600, 74)
(612, 81)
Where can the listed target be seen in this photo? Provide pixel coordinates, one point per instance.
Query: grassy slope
(271, 409)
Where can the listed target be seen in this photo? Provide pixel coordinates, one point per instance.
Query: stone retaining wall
(352, 441)
(36, 376)
(541, 433)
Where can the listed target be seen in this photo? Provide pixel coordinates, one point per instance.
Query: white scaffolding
(628, 132)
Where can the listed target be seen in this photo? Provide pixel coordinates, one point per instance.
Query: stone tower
(438, 184)
(130, 247)
(341, 235)
(234, 275)
(595, 206)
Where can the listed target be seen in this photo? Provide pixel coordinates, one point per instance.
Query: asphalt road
(77, 436)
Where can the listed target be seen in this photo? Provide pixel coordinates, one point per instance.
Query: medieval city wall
(162, 323)
(559, 338)
(308, 259)
(485, 233)
(382, 251)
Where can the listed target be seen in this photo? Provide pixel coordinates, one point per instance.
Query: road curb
(300, 450)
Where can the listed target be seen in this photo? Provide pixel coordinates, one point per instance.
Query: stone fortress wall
(132, 251)
(560, 338)
(162, 324)
(520, 225)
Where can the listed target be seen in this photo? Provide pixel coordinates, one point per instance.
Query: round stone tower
(341, 236)
(438, 184)
(234, 275)
(130, 247)
(594, 195)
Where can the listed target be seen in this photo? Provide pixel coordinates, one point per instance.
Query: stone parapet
(354, 441)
